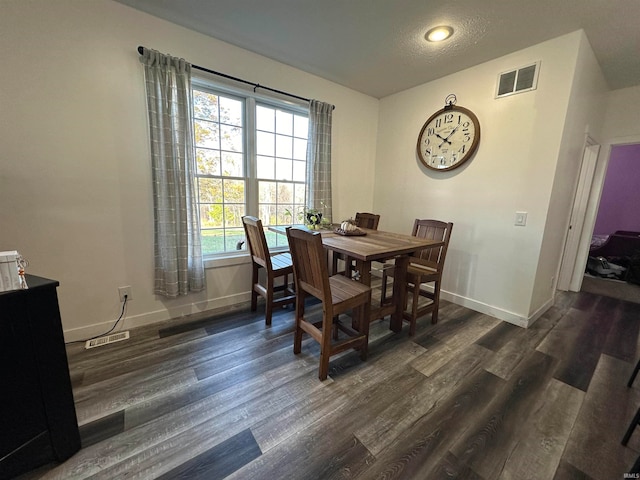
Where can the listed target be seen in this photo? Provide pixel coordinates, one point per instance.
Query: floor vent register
(100, 341)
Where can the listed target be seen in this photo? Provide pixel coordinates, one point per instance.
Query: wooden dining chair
(362, 220)
(338, 295)
(424, 267)
(275, 266)
(367, 220)
(636, 419)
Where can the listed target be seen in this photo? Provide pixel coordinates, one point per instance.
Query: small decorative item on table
(314, 218)
(12, 266)
(22, 264)
(348, 228)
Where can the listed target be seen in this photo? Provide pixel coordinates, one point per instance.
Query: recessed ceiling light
(437, 34)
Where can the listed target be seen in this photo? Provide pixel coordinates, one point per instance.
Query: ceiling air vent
(520, 80)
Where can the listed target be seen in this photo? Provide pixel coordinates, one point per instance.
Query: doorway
(606, 200)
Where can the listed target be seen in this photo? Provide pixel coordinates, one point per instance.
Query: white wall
(75, 181)
(622, 117)
(584, 117)
(492, 264)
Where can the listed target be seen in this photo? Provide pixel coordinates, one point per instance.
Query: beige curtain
(179, 267)
(319, 157)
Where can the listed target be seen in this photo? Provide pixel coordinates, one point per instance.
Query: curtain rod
(254, 85)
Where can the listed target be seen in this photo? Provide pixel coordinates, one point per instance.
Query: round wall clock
(449, 138)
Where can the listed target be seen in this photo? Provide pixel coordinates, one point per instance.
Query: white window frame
(251, 99)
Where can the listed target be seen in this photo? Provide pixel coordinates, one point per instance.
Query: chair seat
(420, 270)
(345, 290)
(416, 273)
(421, 274)
(282, 261)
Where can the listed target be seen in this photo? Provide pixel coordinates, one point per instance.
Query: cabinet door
(21, 409)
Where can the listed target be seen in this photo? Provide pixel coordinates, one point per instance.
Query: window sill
(227, 261)
(235, 259)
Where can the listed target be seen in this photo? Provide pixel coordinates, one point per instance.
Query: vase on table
(314, 219)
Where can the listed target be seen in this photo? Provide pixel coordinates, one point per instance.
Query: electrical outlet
(122, 291)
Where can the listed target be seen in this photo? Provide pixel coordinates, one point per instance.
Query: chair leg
(325, 345)
(383, 293)
(323, 372)
(348, 267)
(635, 468)
(254, 294)
(268, 310)
(363, 314)
(383, 296)
(632, 426)
(297, 336)
(414, 309)
(436, 303)
(634, 374)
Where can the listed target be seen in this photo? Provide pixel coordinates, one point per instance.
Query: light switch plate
(521, 219)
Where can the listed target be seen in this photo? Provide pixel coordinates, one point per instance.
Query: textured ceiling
(377, 47)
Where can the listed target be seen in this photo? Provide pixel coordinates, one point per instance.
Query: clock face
(449, 138)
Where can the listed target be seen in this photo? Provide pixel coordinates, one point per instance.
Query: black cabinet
(37, 416)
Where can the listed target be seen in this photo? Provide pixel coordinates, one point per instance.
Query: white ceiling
(377, 47)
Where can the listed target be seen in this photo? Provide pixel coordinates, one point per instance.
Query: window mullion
(250, 158)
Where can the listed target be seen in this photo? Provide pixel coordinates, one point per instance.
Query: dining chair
(275, 266)
(424, 267)
(367, 220)
(362, 220)
(338, 295)
(636, 419)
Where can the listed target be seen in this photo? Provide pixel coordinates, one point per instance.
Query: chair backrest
(367, 220)
(257, 241)
(432, 230)
(309, 263)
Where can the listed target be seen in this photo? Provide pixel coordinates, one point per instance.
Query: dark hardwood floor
(470, 398)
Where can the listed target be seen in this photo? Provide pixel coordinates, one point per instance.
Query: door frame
(581, 254)
(567, 274)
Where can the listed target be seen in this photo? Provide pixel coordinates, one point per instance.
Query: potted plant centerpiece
(313, 217)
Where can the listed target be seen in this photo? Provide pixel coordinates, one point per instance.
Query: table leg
(365, 279)
(364, 268)
(399, 292)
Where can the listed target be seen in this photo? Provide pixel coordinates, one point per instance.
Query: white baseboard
(538, 313)
(499, 313)
(148, 318)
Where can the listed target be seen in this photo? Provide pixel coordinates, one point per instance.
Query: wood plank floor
(223, 396)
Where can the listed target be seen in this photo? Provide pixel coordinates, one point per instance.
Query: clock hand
(448, 136)
(453, 131)
(443, 139)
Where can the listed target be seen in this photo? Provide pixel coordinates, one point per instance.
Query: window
(250, 160)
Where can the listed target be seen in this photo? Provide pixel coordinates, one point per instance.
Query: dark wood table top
(375, 245)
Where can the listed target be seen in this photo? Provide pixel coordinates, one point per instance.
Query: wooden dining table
(376, 245)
